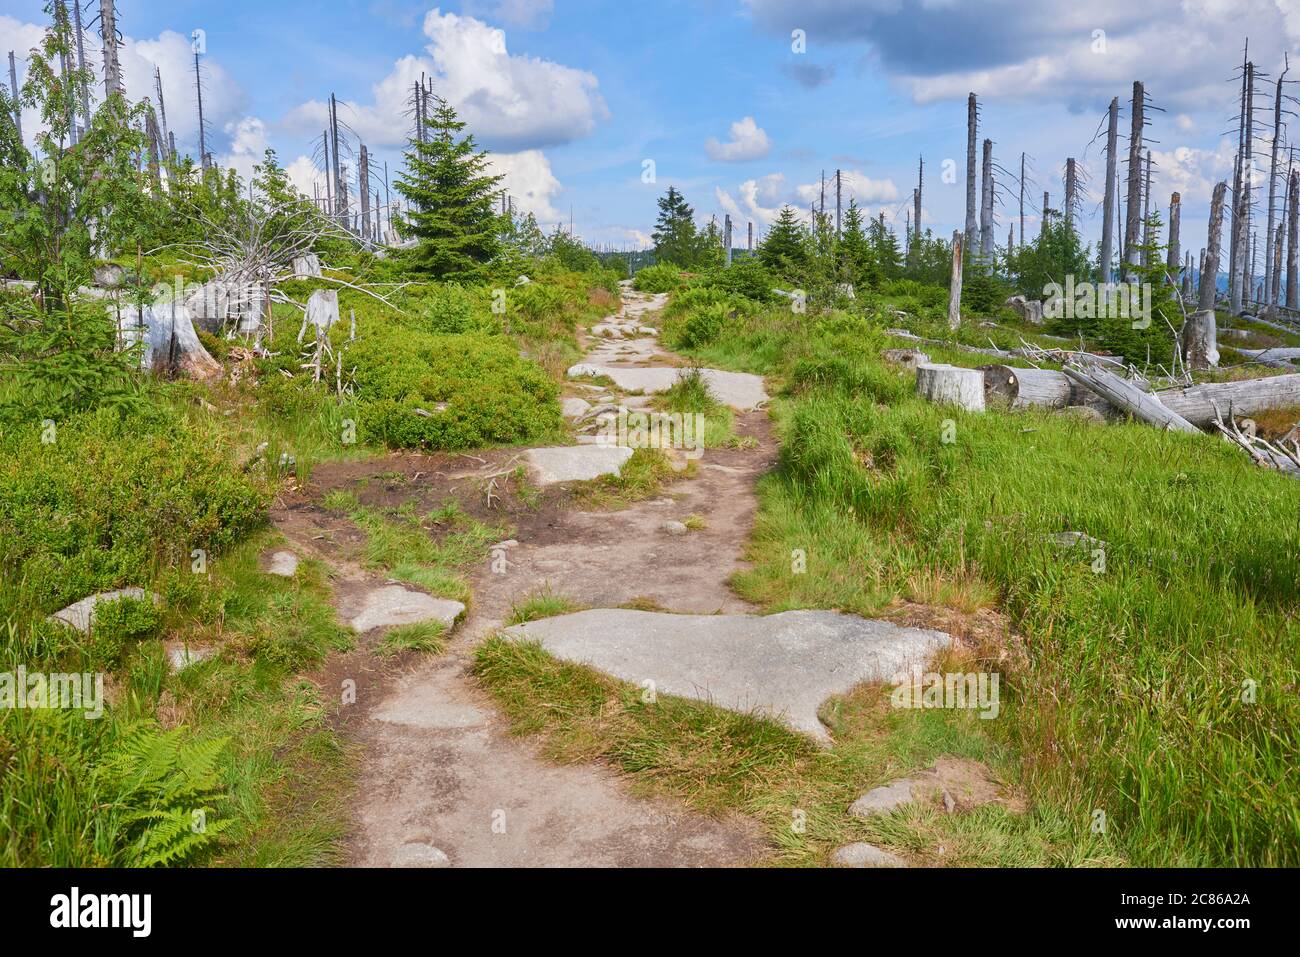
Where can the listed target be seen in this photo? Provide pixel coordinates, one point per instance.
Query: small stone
(949, 804)
(420, 855)
(674, 528)
(180, 658)
(883, 800)
(865, 855)
(284, 564)
(509, 543)
(394, 605)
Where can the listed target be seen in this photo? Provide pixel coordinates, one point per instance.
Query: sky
(591, 110)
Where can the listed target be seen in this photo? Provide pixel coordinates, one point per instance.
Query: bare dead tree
(1293, 235)
(986, 206)
(1271, 279)
(1174, 259)
(1134, 175)
(1108, 213)
(108, 33)
(972, 127)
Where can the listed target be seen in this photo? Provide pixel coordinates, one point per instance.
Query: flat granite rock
(782, 666)
(576, 463)
(865, 855)
(283, 564)
(740, 390)
(81, 615)
(393, 605)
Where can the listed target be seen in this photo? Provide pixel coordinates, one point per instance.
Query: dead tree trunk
(1022, 201)
(954, 288)
(1241, 226)
(950, 385)
(1040, 388)
(1175, 258)
(1235, 243)
(1293, 234)
(1199, 336)
(916, 204)
(108, 33)
(1070, 186)
(986, 211)
(84, 88)
(1271, 269)
(1042, 226)
(1127, 397)
(1108, 213)
(363, 179)
(972, 126)
(1274, 281)
(1148, 238)
(203, 136)
(1134, 201)
(1197, 404)
(13, 94)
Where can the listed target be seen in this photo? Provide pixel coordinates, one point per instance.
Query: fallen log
(1045, 388)
(1127, 397)
(1197, 404)
(1279, 357)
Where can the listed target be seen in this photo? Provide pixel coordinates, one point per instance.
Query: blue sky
(573, 96)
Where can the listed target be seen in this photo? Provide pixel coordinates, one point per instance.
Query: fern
(163, 784)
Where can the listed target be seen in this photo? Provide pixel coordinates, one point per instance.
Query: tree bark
(1199, 340)
(1210, 267)
(1245, 397)
(1134, 201)
(1175, 257)
(986, 212)
(1108, 213)
(972, 126)
(1293, 234)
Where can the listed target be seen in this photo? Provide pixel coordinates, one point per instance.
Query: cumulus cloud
(748, 142)
(530, 183)
(510, 103)
(248, 144)
(224, 101)
(761, 198)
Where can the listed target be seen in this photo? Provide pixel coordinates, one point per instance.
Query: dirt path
(442, 779)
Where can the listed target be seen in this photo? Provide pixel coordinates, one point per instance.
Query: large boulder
(1029, 310)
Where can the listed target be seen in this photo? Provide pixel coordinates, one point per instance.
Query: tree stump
(322, 311)
(1199, 340)
(307, 267)
(951, 385)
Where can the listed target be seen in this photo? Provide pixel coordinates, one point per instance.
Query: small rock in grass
(674, 528)
(1085, 413)
(284, 564)
(575, 408)
(883, 800)
(509, 543)
(420, 855)
(865, 855)
(180, 657)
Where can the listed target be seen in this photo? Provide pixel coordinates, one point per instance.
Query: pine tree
(784, 251)
(451, 200)
(884, 250)
(675, 236)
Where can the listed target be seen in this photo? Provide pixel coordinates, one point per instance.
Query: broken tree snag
(306, 267)
(1108, 213)
(1042, 388)
(1174, 260)
(1201, 404)
(1210, 265)
(951, 385)
(1292, 225)
(954, 289)
(170, 342)
(1200, 340)
(322, 311)
(1133, 208)
(1127, 397)
(972, 126)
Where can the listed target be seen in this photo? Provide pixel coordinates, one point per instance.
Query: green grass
(541, 604)
(430, 550)
(427, 637)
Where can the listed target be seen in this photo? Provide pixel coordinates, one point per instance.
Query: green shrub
(453, 309)
(746, 277)
(120, 624)
(660, 278)
(418, 390)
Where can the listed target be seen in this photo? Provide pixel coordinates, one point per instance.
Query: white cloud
(224, 101)
(248, 143)
(529, 182)
(305, 177)
(509, 102)
(748, 142)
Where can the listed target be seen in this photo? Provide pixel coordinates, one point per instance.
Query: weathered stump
(951, 385)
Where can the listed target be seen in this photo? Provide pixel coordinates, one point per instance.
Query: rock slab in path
(81, 615)
(883, 800)
(783, 666)
(393, 605)
(740, 390)
(577, 463)
(865, 855)
(420, 855)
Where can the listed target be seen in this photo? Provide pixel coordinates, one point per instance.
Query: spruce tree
(674, 234)
(855, 260)
(451, 200)
(785, 251)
